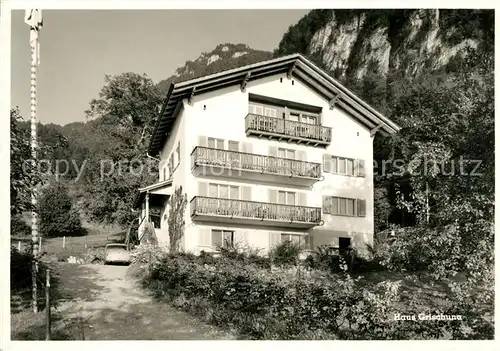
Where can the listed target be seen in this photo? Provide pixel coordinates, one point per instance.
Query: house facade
(269, 152)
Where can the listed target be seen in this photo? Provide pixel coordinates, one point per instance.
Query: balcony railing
(212, 206)
(287, 129)
(251, 162)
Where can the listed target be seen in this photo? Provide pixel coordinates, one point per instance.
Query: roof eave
(230, 77)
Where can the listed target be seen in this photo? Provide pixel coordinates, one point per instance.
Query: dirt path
(101, 303)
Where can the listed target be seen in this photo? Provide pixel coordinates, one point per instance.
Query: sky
(79, 47)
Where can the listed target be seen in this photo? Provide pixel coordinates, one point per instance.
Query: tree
(57, 215)
(177, 208)
(122, 122)
(21, 170)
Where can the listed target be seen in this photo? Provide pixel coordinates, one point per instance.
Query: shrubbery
(57, 216)
(286, 303)
(286, 253)
(263, 299)
(20, 270)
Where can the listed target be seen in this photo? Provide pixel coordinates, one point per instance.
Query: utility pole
(33, 18)
(427, 211)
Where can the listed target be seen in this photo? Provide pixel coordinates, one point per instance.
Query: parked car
(116, 253)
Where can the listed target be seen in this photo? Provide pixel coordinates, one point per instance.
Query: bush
(20, 269)
(57, 216)
(18, 227)
(239, 253)
(285, 253)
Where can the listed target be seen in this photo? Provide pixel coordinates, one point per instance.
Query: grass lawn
(97, 237)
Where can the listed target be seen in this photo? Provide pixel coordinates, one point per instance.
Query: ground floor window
(222, 238)
(304, 241)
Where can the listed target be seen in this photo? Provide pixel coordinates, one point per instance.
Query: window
(223, 191)
(308, 119)
(294, 116)
(343, 165)
(334, 165)
(213, 190)
(349, 166)
(344, 206)
(349, 207)
(269, 112)
(222, 238)
(256, 109)
(233, 145)
(216, 143)
(302, 240)
(286, 198)
(299, 116)
(286, 153)
(234, 192)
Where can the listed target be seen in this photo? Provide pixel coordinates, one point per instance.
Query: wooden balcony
(254, 213)
(291, 131)
(216, 162)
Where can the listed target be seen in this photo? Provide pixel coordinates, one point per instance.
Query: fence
(49, 317)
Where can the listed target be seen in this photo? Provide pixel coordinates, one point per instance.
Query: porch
(152, 201)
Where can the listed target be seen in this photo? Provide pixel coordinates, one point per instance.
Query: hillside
(223, 57)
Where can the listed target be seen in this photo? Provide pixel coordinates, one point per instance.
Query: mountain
(351, 43)
(223, 57)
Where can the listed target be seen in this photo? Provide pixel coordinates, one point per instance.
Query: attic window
(292, 81)
(281, 80)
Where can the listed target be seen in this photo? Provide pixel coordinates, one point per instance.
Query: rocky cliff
(353, 42)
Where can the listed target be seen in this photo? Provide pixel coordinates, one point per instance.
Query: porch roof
(161, 188)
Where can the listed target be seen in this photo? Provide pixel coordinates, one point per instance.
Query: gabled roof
(296, 65)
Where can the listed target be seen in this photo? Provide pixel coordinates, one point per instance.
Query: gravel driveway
(99, 302)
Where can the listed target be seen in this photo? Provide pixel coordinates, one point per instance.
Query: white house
(268, 152)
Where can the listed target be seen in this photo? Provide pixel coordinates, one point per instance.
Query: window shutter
(361, 204)
(246, 193)
(202, 140)
(302, 199)
(179, 152)
(273, 196)
(309, 242)
(327, 201)
(274, 239)
(202, 189)
(273, 151)
(361, 168)
(205, 237)
(327, 163)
